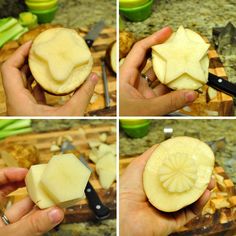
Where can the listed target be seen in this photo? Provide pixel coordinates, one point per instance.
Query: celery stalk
(5, 122)
(7, 133)
(20, 34)
(18, 124)
(10, 23)
(10, 33)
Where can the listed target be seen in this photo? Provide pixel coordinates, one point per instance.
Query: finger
(11, 75)
(151, 74)
(19, 209)
(161, 89)
(169, 103)
(17, 59)
(211, 185)
(12, 175)
(38, 223)
(144, 89)
(138, 52)
(79, 101)
(39, 94)
(201, 202)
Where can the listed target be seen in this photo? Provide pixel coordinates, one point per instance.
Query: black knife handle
(100, 211)
(89, 42)
(221, 84)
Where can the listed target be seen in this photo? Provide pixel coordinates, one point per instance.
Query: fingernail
(54, 216)
(94, 78)
(190, 96)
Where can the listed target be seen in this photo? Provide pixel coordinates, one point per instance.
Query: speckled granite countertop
(199, 15)
(206, 130)
(81, 13)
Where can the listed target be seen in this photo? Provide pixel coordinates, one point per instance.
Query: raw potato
(60, 182)
(111, 56)
(106, 169)
(65, 179)
(20, 155)
(60, 60)
(36, 192)
(182, 61)
(126, 41)
(177, 173)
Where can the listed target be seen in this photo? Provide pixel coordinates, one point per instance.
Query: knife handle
(222, 84)
(89, 42)
(100, 210)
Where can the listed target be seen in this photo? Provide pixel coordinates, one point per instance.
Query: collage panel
(177, 177)
(58, 58)
(177, 58)
(57, 177)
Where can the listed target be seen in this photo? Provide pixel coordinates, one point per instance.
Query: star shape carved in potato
(181, 56)
(62, 59)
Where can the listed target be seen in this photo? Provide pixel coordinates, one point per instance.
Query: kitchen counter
(198, 15)
(85, 13)
(206, 130)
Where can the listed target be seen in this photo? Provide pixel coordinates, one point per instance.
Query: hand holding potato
(136, 97)
(138, 216)
(25, 219)
(23, 100)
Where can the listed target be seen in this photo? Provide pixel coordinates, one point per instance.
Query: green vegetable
(9, 127)
(28, 19)
(7, 23)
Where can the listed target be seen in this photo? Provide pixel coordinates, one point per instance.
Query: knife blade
(105, 84)
(100, 211)
(93, 33)
(221, 84)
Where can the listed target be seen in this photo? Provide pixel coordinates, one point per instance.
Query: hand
(22, 100)
(25, 218)
(136, 97)
(138, 217)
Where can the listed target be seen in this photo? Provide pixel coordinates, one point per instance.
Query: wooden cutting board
(106, 37)
(42, 141)
(223, 220)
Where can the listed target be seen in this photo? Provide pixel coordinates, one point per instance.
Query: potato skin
(108, 56)
(126, 40)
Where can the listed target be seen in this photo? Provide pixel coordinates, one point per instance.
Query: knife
(221, 84)
(105, 83)
(93, 33)
(100, 211)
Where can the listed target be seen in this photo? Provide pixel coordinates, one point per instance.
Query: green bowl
(133, 121)
(45, 16)
(41, 5)
(140, 13)
(136, 131)
(131, 3)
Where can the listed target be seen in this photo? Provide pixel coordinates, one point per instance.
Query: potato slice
(36, 192)
(182, 61)
(111, 56)
(106, 169)
(60, 60)
(65, 179)
(177, 173)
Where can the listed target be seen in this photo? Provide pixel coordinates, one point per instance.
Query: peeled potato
(61, 182)
(182, 62)
(177, 173)
(60, 60)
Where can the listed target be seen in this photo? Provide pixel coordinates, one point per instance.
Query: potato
(111, 56)
(35, 190)
(106, 169)
(177, 173)
(182, 62)
(60, 60)
(126, 40)
(20, 155)
(60, 182)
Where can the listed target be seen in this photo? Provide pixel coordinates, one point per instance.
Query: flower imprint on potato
(178, 173)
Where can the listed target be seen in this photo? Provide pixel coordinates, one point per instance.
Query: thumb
(80, 100)
(38, 222)
(171, 102)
